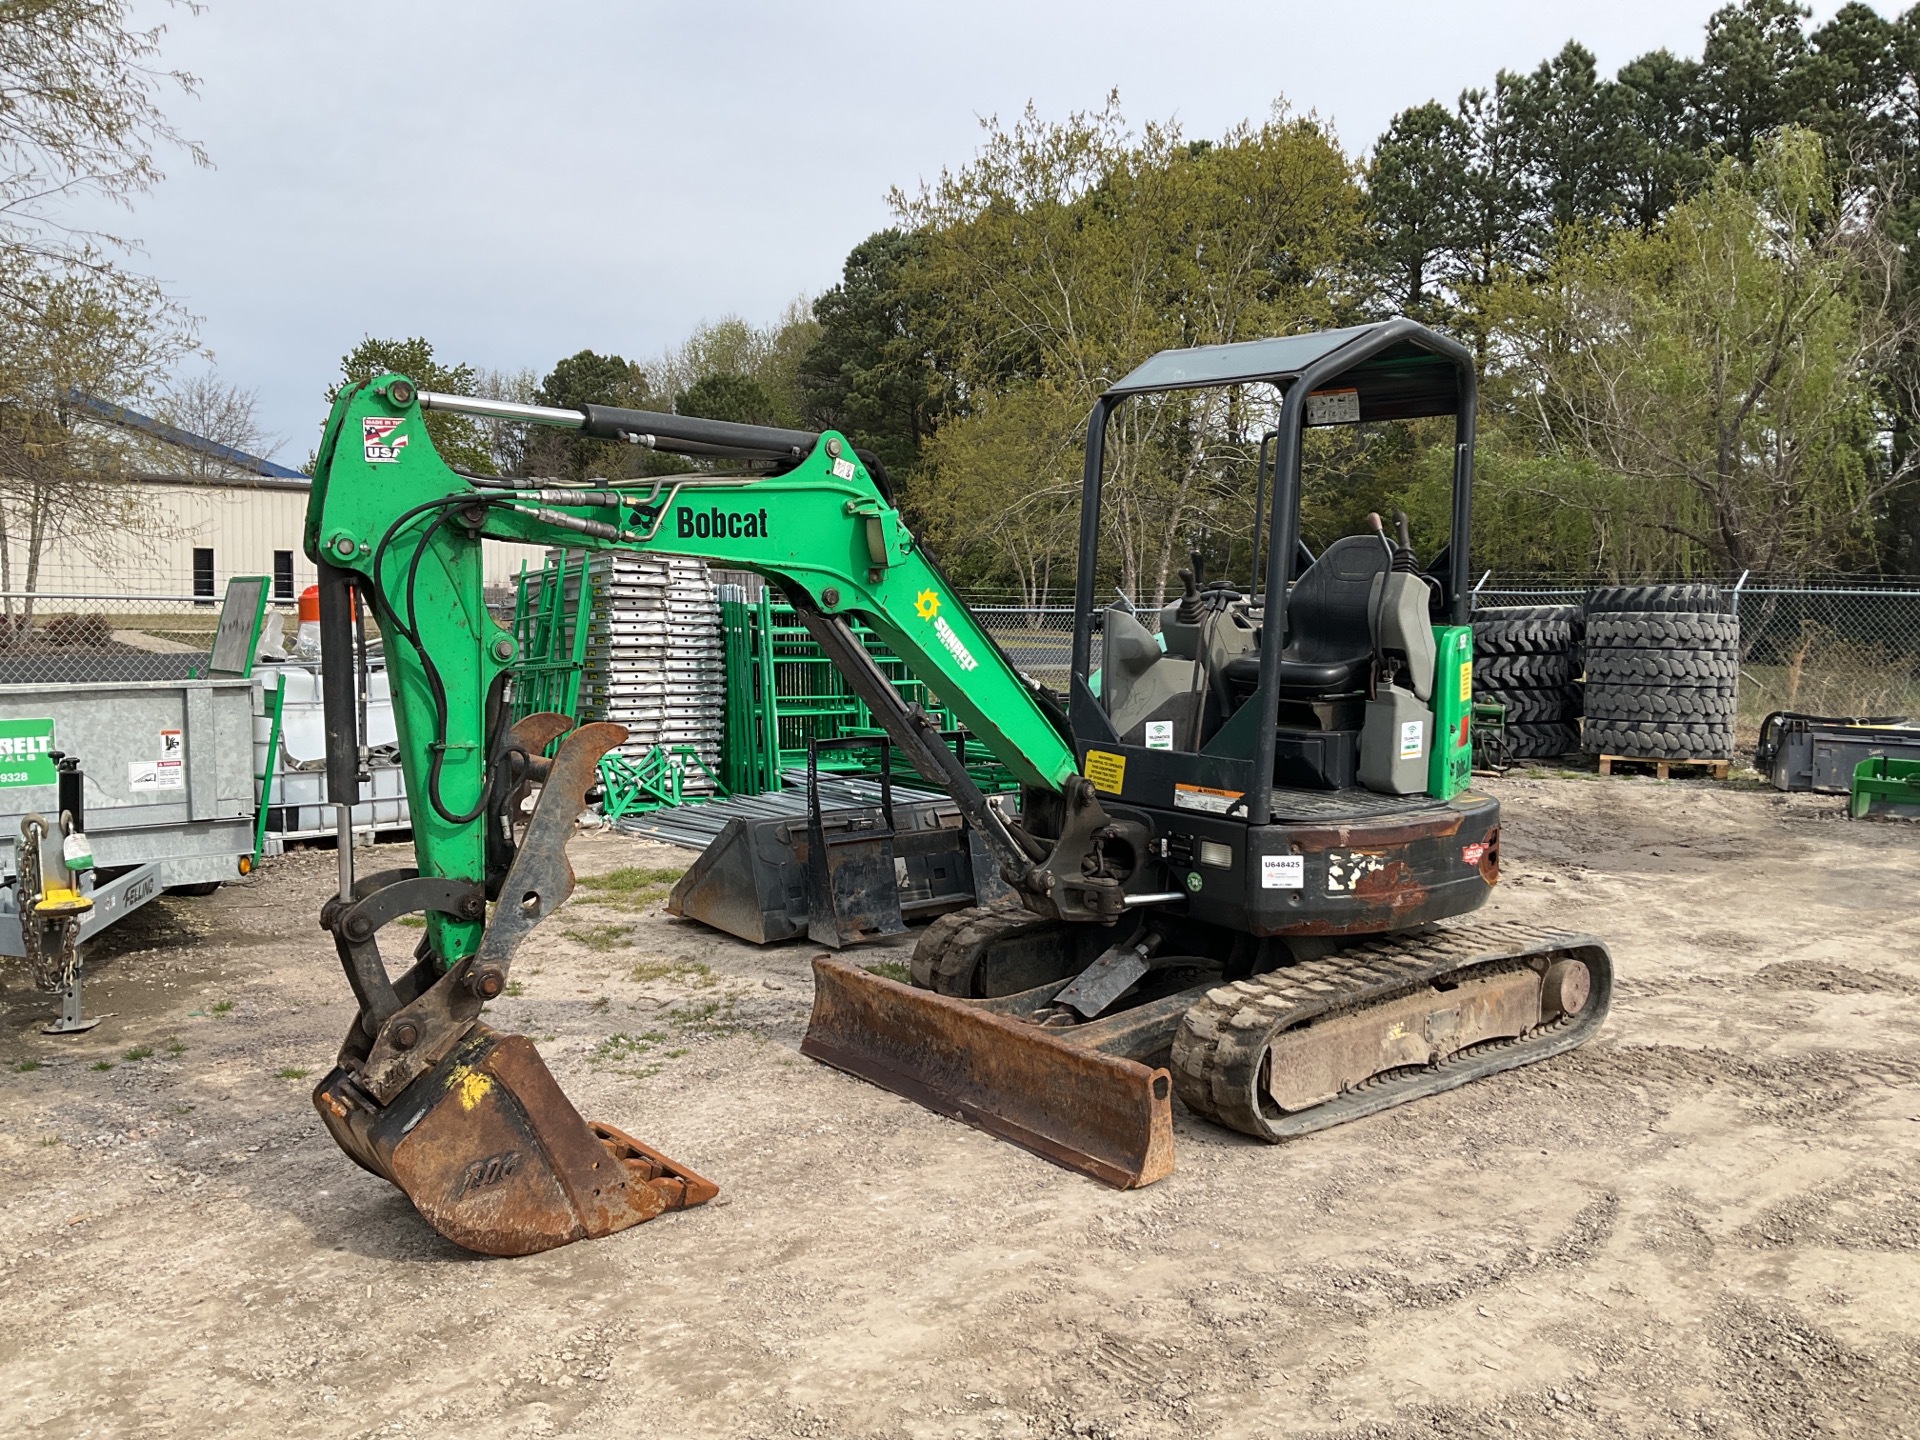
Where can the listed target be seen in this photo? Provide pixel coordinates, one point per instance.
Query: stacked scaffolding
(651, 658)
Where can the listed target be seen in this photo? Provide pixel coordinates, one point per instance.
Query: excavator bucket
(481, 1139)
(1100, 1114)
(495, 1158)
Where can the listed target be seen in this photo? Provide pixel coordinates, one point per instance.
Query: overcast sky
(519, 181)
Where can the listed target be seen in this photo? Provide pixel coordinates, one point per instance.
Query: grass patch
(515, 988)
(139, 1052)
(291, 1072)
(649, 970)
(705, 1017)
(601, 937)
(891, 970)
(175, 1046)
(222, 1007)
(25, 1067)
(413, 922)
(633, 887)
(600, 1006)
(631, 1055)
(103, 1065)
(677, 1052)
(49, 1139)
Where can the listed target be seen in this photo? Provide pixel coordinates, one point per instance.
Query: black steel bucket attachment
(496, 1159)
(752, 880)
(1101, 1114)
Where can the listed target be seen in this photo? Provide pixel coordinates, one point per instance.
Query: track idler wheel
(495, 1157)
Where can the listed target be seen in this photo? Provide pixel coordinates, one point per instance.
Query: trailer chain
(52, 978)
(1222, 1043)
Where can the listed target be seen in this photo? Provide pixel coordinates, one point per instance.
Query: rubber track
(1222, 1039)
(949, 949)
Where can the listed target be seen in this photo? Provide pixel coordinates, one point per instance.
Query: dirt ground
(1706, 1222)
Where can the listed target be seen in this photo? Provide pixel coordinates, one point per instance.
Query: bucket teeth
(497, 1160)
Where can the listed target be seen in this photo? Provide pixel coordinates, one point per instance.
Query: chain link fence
(1846, 648)
(67, 638)
(1831, 649)
(1842, 648)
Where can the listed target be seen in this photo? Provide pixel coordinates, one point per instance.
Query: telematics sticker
(1199, 797)
(377, 438)
(1413, 739)
(1283, 872)
(1107, 772)
(1159, 734)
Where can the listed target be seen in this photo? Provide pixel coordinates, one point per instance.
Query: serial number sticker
(1160, 735)
(1466, 682)
(1283, 872)
(1200, 797)
(1107, 772)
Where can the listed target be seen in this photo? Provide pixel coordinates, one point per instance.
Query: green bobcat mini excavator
(1236, 841)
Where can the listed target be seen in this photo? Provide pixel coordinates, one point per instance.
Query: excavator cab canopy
(1392, 370)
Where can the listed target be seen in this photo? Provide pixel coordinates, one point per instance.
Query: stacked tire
(1525, 657)
(1663, 672)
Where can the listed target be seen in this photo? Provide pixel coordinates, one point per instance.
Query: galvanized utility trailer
(168, 792)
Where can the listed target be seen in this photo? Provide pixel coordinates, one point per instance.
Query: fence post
(1738, 585)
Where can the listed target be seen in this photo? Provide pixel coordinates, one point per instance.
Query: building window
(283, 574)
(203, 572)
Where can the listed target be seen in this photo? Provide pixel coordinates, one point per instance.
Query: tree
(1663, 145)
(79, 115)
(207, 406)
(62, 477)
(1716, 382)
(1752, 72)
(586, 378)
(1067, 253)
(1567, 130)
(872, 370)
(1415, 181)
(738, 398)
(458, 438)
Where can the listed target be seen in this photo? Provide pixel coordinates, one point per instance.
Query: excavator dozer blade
(1103, 1115)
(495, 1157)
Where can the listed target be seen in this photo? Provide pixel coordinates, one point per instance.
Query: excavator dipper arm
(469, 1123)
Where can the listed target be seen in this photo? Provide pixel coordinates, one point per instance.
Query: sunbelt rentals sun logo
(377, 438)
(927, 605)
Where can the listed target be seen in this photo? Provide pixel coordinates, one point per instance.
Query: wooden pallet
(1716, 769)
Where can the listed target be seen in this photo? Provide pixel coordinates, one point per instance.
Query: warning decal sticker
(1107, 772)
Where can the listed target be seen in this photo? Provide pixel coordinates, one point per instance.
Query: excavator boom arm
(389, 517)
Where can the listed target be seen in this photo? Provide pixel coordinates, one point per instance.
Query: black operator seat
(1329, 645)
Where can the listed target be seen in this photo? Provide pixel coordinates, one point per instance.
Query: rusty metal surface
(1105, 1116)
(496, 1159)
(1314, 1063)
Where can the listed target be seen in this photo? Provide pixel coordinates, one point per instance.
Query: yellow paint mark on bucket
(472, 1086)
